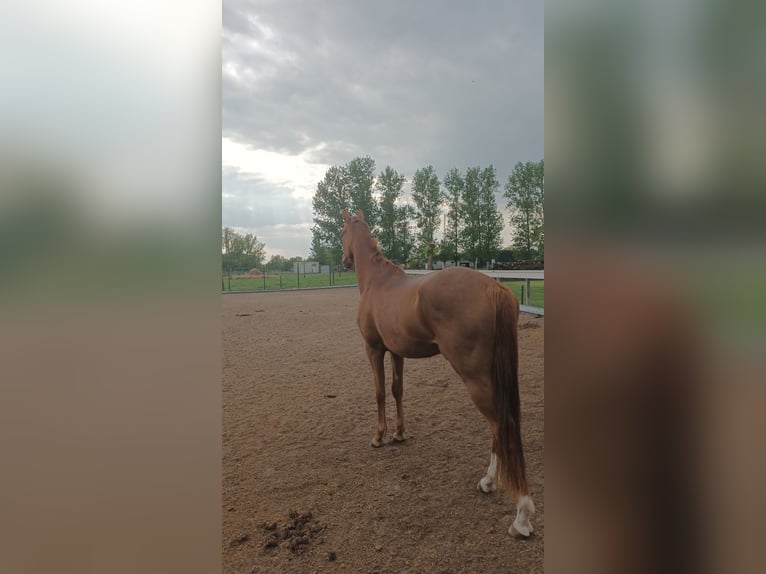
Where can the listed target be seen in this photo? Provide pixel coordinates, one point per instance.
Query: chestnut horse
(467, 317)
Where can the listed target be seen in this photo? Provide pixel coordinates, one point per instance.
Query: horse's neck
(369, 268)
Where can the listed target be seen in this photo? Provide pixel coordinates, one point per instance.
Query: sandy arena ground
(303, 491)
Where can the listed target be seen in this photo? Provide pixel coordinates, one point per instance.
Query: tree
(389, 185)
(343, 187)
(524, 191)
(240, 250)
(481, 233)
(323, 254)
(490, 237)
(539, 238)
(227, 238)
(453, 195)
(427, 198)
(332, 196)
(404, 244)
(361, 177)
(279, 263)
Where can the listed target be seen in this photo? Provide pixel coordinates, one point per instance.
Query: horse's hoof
(520, 530)
(399, 438)
(521, 525)
(376, 443)
(486, 485)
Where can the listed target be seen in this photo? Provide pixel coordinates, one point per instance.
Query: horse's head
(346, 241)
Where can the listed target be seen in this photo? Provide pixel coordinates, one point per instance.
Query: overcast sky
(308, 85)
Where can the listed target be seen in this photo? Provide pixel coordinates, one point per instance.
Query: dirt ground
(303, 491)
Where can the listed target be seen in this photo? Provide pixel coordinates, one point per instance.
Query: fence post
(298, 273)
(522, 294)
(229, 278)
(529, 292)
(280, 280)
(264, 277)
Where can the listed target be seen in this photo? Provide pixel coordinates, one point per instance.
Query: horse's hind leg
(375, 355)
(525, 508)
(489, 482)
(478, 382)
(480, 391)
(397, 389)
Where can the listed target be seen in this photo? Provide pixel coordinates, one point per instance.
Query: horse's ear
(359, 214)
(345, 215)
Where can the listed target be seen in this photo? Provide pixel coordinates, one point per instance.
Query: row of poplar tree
(461, 208)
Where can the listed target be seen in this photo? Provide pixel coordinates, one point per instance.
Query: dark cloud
(408, 83)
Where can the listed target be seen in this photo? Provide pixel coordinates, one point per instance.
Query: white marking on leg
(488, 483)
(525, 508)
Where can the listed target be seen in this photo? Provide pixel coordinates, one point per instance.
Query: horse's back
(460, 291)
(447, 311)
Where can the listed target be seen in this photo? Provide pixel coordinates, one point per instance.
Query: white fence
(527, 274)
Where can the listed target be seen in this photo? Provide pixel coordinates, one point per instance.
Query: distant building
(306, 267)
(439, 265)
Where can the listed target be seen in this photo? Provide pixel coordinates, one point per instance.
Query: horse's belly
(411, 349)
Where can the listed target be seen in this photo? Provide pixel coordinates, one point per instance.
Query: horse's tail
(505, 395)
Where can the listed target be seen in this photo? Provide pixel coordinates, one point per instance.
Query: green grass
(538, 290)
(289, 280)
(292, 281)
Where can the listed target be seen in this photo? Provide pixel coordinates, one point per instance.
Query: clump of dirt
(296, 534)
(529, 326)
(239, 540)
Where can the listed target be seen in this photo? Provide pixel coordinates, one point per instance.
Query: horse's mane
(377, 255)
